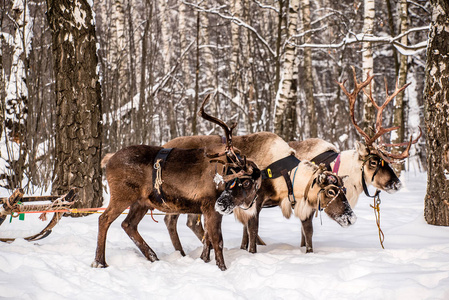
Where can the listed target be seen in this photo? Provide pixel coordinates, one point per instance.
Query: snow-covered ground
(348, 263)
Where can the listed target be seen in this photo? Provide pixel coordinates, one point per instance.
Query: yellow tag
(269, 173)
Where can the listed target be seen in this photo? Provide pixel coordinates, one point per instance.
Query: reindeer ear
(321, 179)
(362, 149)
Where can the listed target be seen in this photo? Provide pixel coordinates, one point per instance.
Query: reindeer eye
(373, 163)
(331, 193)
(246, 184)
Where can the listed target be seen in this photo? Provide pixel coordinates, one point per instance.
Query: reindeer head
(375, 159)
(327, 191)
(242, 177)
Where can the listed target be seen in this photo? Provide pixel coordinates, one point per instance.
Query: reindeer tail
(105, 159)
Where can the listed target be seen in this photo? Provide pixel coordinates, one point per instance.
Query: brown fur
(264, 148)
(188, 187)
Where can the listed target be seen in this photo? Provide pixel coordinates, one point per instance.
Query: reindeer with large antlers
(176, 181)
(369, 162)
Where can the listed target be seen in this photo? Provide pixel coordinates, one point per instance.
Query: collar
(326, 158)
(276, 169)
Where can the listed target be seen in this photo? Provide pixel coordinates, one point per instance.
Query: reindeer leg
(303, 237)
(104, 221)
(307, 232)
(194, 223)
(212, 221)
(207, 247)
(253, 230)
(171, 223)
(135, 215)
(245, 238)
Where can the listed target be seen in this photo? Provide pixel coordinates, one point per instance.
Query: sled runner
(16, 205)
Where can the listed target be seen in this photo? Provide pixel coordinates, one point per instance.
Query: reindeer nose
(393, 186)
(352, 219)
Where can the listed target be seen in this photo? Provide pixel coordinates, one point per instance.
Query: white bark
(402, 77)
(206, 51)
(367, 59)
(16, 87)
(285, 91)
(183, 32)
(235, 44)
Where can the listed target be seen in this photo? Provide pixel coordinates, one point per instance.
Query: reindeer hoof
(222, 267)
(205, 258)
(97, 264)
(309, 250)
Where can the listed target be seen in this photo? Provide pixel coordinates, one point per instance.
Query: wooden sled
(17, 204)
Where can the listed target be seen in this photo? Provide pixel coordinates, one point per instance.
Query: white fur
(244, 215)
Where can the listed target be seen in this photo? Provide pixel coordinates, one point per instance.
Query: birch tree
(166, 52)
(399, 107)
(436, 93)
(78, 101)
(16, 101)
(287, 89)
(367, 59)
(308, 71)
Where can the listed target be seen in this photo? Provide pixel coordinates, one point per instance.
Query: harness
(312, 182)
(282, 168)
(159, 163)
(327, 158)
(380, 163)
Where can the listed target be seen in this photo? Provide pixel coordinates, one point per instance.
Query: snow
(347, 263)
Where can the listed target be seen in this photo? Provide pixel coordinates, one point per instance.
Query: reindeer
(367, 164)
(182, 182)
(265, 149)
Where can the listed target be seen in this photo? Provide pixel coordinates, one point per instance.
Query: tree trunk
(2, 79)
(16, 100)
(78, 101)
(436, 93)
(287, 88)
(399, 107)
(166, 50)
(236, 9)
(308, 71)
(367, 61)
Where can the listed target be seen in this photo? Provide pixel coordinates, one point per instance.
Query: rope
(376, 208)
(158, 181)
(95, 210)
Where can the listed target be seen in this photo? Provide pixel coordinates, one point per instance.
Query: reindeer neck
(350, 166)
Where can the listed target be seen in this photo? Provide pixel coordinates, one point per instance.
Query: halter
(238, 181)
(380, 163)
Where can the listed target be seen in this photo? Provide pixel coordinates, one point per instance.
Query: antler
(358, 86)
(229, 150)
(227, 129)
(379, 131)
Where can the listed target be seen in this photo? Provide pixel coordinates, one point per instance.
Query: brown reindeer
(266, 148)
(183, 182)
(369, 163)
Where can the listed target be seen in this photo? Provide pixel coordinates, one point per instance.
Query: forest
(81, 79)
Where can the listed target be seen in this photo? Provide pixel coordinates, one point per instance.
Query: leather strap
(325, 158)
(159, 163)
(274, 170)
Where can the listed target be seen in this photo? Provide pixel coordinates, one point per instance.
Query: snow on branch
(353, 38)
(234, 20)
